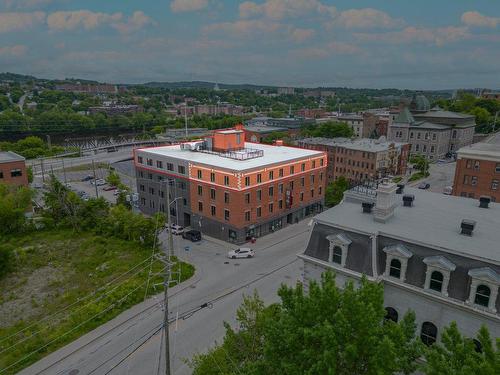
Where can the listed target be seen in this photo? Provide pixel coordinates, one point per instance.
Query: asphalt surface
(218, 281)
(441, 176)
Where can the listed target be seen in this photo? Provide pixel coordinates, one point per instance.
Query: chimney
(467, 227)
(401, 188)
(408, 200)
(484, 201)
(367, 207)
(386, 202)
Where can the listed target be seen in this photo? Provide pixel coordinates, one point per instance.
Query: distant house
(13, 169)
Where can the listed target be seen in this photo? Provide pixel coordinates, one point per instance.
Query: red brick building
(13, 169)
(478, 170)
(232, 189)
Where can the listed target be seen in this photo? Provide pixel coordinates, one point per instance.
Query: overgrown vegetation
(32, 147)
(421, 164)
(89, 255)
(338, 331)
(329, 129)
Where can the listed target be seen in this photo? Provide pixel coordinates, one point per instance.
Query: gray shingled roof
(404, 117)
(9, 156)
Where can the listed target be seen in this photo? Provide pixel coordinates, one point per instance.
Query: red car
(109, 188)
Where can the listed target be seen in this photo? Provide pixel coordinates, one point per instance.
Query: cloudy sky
(424, 44)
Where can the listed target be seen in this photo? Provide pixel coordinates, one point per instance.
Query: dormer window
(397, 261)
(339, 246)
(438, 273)
(484, 288)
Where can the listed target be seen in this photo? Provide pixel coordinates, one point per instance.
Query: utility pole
(95, 180)
(43, 169)
(64, 171)
(168, 254)
(49, 143)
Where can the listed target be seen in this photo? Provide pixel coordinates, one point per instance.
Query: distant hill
(13, 77)
(204, 85)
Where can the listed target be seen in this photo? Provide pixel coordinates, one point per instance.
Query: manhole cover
(74, 372)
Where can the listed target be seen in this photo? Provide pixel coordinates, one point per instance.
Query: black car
(192, 235)
(87, 178)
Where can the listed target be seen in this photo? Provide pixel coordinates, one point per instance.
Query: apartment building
(435, 255)
(360, 159)
(478, 170)
(231, 189)
(13, 169)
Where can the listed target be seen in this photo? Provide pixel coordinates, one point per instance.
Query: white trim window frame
(399, 252)
(444, 266)
(488, 277)
(342, 241)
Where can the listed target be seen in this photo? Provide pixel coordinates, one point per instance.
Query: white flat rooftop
(272, 155)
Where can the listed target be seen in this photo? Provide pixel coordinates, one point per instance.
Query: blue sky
(358, 43)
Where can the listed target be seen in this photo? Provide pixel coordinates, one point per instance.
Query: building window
(280, 173)
(301, 197)
(212, 177)
(280, 188)
(181, 169)
(473, 180)
(149, 162)
(320, 190)
(312, 193)
(212, 194)
(395, 269)
(303, 167)
(391, 314)
(259, 195)
(337, 255)
(292, 169)
(226, 180)
(280, 204)
(468, 164)
(16, 173)
(170, 166)
(321, 162)
(466, 180)
(271, 206)
(200, 174)
(259, 211)
(432, 149)
(247, 181)
(436, 281)
(139, 160)
(213, 210)
(271, 191)
(411, 134)
(247, 215)
(141, 188)
(226, 215)
(159, 164)
(494, 185)
(291, 185)
(247, 198)
(434, 136)
(483, 293)
(476, 165)
(200, 206)
(226, 197)
(497, 168)
(150, 176)
(271, 175)
(428, 334)
(302, 181)
(454, 134)
(259, 178)
(200, 190)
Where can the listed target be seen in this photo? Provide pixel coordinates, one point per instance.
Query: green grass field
(55, 269)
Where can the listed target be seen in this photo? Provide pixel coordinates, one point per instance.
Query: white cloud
(243, 27)
(300, 35)
(136, 22)
(411, 34)
(278, 9)
(17, 50)
(322, 52)
(477, 19)
(24, 4)
(71, 20)
(13, 21)
(188, 5)
(366, 18)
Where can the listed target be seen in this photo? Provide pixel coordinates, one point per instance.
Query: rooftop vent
(401, 188)
(408, 200)
(484, 201)
(467, 227)
(367, 207)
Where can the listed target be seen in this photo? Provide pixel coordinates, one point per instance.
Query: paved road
(217, 279)
(441, 175)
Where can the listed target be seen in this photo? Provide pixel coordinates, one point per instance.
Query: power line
(90, 295)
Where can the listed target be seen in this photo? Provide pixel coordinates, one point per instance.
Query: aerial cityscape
(217, 187)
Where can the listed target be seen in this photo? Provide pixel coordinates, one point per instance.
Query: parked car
(242, 252)
(448, 190)
(176, 229)
(109, 188)
(87, 178)
(98, 182)
(192, 235)
(37, 185)
(424, 185)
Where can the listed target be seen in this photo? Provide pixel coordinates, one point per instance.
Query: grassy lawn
(55, 269)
